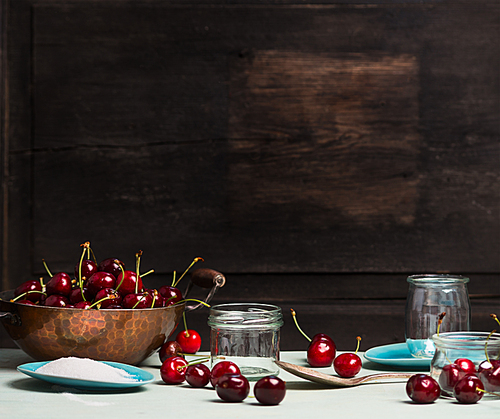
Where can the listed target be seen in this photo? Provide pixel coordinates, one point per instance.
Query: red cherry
(76, 295)
(198, 375)
(108, 296)
(270, 390)
(27, 302)
(173, 370)
(221, 368)
(232, 387)
(170, 294)
(169, 349)
(60, 283)
(85, 305)
(28, 286)
(140, 300)
(190, 341)
(99, 281)
(347, 365)
(468, 389)
(449, 377)
(422, 388)
(466, 365)
(112, 266)
(88, 269)
(56, 300)
(128, 285)
(321, 353)
(489, 375)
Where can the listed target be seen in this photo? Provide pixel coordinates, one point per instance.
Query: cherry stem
(123, 275)
(297, 324)
(109, 297)
(47, 268)
(154, 298)
(185, 324)
(80, 281)
(173, 280)
(147, 273)
(197, 259)
(194, 362)
(440, 321)
(137, 264)
(357, 347)
(25, 293)
(486, 346)
(494, 316)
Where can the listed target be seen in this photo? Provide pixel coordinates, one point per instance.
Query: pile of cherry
(106, 285)
(225, 376)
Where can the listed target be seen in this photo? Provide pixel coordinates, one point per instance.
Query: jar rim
(245, 315)
(474, 339)
(437, 279)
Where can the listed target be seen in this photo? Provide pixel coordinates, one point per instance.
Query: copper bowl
(119, 335)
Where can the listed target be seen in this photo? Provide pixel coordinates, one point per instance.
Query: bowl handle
(205, 278)
(15, 320)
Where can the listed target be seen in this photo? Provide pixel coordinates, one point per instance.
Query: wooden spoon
(331, 380)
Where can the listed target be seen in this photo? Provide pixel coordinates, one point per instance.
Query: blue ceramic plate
(397, 355)
(140, 377)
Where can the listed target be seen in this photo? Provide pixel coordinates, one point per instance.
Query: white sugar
(85, 369)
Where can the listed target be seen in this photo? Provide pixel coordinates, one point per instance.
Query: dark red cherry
(108, 296)
(468, 390)
(169, 349)
(489, 375)
(449, 377)
(198, 375)
(270, 390)
(221, 368)
(99, 281)
(156, 296)
(27, 302)
(422, 388)
(173, 370)
(114, 307)
(128, 285)
(57, 300)
(190, 341)
(466, 365)
(112, 266)
(321, 353)
(170, 294)
(28, 286)
(75, 295)
(347, 365)
(322, 336)
(232, 387)
(88, 269)
(85, 305)
(139, 300)
(60, 283)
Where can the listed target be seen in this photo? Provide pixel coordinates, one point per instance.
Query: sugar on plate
(85, 369)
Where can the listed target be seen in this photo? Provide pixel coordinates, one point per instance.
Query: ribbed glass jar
(471, 345)
(428, 297)
(247, 334)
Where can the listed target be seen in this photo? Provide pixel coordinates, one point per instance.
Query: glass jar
(247, 334)
(471, 345)
(428, 297)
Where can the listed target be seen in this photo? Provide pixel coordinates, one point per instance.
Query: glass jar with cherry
(467, 359)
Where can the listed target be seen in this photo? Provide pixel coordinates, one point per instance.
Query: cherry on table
(221, 368)
(466, 365)
(173, 370)
(189, 340)
(348, 364)
(270, 390)
(489, 374)
(422, 388)
(450, 376)
(198, 375)
(469, 390)
(232, 387)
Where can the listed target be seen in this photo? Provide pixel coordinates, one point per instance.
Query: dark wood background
(316, 153)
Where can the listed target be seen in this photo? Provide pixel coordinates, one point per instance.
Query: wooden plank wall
(315, 153)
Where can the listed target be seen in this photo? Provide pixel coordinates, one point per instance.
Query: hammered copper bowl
(122, 335)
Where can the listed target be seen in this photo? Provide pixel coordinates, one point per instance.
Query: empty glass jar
(247, 334)
(428, 297)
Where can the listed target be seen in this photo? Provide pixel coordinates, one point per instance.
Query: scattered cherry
(348, 364)
(469, 389)
(198, 375)
(449, 377)
(270, 390)
(422, 388)
(221, 368)
(173, 370)
(232, 387)
(466, 365)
